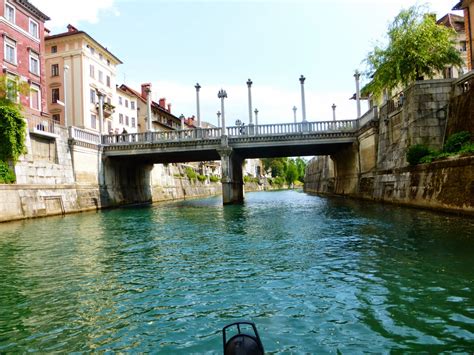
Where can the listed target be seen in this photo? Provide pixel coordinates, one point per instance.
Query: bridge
(128, 153)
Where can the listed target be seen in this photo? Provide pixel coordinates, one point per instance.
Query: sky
(175, 44)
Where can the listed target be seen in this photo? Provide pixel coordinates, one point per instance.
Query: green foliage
(12, 133)
(279, 181)
(416, 152)
(291, 173)
(7, 176)
(201, 178)
(281, 166)
(467, 149)
(191, 174)
(456, 141)
(417, 47)
(249, 179)
(214, 178)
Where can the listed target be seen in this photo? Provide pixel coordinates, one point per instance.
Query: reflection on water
(315, 274)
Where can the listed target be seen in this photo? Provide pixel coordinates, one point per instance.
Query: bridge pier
(232, 177)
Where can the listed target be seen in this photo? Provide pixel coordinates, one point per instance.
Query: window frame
(92, 71)
(55, 98)
(92, 98)
(55, 69)
(7, 5)
(31, 21)
(8, 42)
(33, 56)
(37, 88)
(93, 121)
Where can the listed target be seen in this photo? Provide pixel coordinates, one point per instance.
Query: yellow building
(77, 69)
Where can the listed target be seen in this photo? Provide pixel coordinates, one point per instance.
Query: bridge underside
(231, 153)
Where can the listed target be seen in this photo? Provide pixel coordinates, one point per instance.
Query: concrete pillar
(303, 105)
(218, 119)
(232, 177)
(357, 77)
(222, 94)
(198, 113)
(100, 95)
(333, 112)
(149, 126)
(66, 70)
(294, 113)
(249, 85)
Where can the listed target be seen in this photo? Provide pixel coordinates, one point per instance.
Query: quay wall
(375, 167)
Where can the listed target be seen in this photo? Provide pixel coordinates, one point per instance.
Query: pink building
(22, 29)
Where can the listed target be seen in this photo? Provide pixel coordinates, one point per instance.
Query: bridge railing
(291, 128)
(163, 136)
(84, 135)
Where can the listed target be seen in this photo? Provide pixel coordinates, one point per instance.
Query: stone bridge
(129, 154)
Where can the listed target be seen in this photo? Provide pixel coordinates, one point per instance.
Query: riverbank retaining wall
(378, 169)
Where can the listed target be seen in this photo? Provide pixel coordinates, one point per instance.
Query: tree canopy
(416, 47)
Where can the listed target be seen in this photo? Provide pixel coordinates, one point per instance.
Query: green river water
(316, 275)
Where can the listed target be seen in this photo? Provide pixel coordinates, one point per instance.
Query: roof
(154, 104)
(459, 6)
(77, 32)
(453, 21)
(33, 9)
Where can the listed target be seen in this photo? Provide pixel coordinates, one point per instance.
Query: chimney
(71, 28)
(145, 88)
(163, 103)
(169, 108)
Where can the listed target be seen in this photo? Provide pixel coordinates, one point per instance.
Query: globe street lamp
(256, 117)
(222, 94)
(249, 85)
(303, 106)
(198, 114)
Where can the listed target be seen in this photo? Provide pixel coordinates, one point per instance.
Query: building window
(109, 101)
(55, 70)
(132, 105)
(54, 49)
(108, 81)
(120, 118)
(120, 100)
(10, 50)
(108, 62)
(93, 121)
(463, 46)
(101, 77)
(57, 117)
(12, 91)
(127, 122)
(92, 50)
(10, 13)
(92, 98)
(133, 122)
(100, 57)
(54, 95)
(126, 103)
(91, 71)
(34, 63)
(35, 97)
(34, 29)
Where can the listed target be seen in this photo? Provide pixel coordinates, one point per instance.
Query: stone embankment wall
(376, 168)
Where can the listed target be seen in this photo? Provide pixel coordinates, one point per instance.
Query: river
(316, 275)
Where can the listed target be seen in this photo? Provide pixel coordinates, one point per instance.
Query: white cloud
(72, 11)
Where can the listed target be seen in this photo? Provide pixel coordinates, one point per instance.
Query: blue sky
(174, 44)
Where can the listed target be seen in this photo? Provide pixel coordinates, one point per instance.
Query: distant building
(457, 24)
(162, 118)
(22, 28)
(92, 68)
(468, 7)
(126, 112)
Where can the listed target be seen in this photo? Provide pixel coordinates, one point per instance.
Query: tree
(291, 173)
(417, 47)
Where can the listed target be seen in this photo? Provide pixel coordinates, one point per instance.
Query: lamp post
(294, 113)
(333, 112)
(249, 85)
(100, 95)
(303, 106)
(222, 94)
(357, 77)
(218, 119)
(198, 114)
(148, 108)
(256, 117)
(182, 121)
(66, 69)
